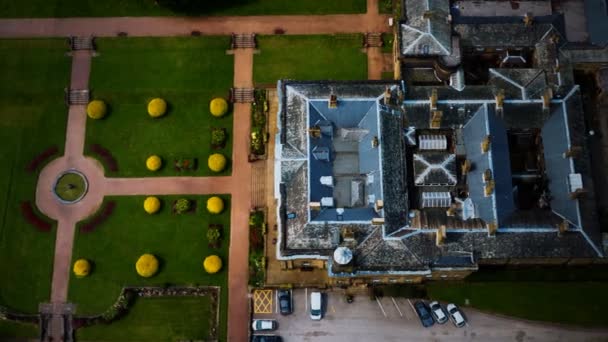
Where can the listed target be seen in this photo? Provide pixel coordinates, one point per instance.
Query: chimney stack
(440, 236)
(492, 228)
(485, 144)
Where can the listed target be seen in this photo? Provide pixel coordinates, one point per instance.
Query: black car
(285, 302)
(424, 313)
(266, 338)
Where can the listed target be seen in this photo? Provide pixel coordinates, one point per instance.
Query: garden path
(238, 184)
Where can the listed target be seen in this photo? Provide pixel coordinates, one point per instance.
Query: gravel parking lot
(393, 319)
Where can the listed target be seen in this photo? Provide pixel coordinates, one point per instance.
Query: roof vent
(433, 142)
(343, 255)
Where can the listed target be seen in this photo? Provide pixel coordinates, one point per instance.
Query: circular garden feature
(218, 107)
(71, 186)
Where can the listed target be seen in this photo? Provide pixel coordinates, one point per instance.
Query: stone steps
(242, 95)
(244, 41)
(82, 43)
(78, 97)
(373, 40)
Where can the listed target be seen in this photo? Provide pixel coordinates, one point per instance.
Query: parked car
(316, 303)
(438, 312)
(266, 338)
(264, 325)
(285, 302)
(424, 313)
(456, 315)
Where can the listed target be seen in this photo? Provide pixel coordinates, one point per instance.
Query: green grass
(578, 303)
(10, 329)
(179, 241)
(91, 8)
(385, 6)
(156, 319)
(336, 57)
(188, 73)
(33, 74)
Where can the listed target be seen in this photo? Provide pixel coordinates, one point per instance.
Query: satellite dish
(343, 255)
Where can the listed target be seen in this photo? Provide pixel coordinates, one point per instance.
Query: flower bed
(218, 138)
(257, 259)
(105, 156)
(183, 206)
(185, 164)
(41, 158)
(259, 130)
(100, 217)
(214, 235)
(31, 216)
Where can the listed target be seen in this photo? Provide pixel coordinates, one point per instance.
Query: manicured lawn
(178, 241)
(33, 74)
(10, 329)
(335, 57)
(156, 319)
(578, 303)
(91, 8)
(188, 73)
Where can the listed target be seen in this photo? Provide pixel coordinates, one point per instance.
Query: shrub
(216, 162)
(256, 218)
(151, 204)
(213, 236)
(212, 264)
(147, 265)
(182, 205)
(215, 205)
(82, 268)
(153, 163)
(119, 307)
(218, 107)
(39, 160)
(218, 137)
(257, 142)
(157, 107)
(96, 109)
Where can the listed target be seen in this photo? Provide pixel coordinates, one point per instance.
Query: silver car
(438, 312)
(456, 315)
(264, 325)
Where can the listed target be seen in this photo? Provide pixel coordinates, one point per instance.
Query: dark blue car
(424, 313)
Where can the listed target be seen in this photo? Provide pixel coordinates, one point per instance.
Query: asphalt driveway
(393, 319)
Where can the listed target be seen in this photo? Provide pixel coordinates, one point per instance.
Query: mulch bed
(105, 156)
(100, 217)
(41, 159)
(31, 216)
(192, 209)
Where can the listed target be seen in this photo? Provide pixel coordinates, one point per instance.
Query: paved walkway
(179, 26)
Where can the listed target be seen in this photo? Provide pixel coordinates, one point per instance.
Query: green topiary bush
(218, 137)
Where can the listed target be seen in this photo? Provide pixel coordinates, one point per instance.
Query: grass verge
(321, 57)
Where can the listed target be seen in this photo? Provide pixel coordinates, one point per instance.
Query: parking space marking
(262, 301)
(380, 305)
(333, 309)
(276, 296)
(412, 306)
(397, 307)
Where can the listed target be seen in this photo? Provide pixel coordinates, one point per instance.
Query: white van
(316, 301)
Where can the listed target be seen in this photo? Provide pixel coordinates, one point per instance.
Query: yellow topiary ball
(218, 107)
(151, 204)
(96, 109)
(147, 265)
(215, 205)
(82, 268)
(153, 163)
(216, 162)
(157, 107)
(212, 264)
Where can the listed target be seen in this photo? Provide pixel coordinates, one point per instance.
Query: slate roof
(434, 168)
(426, 36)
(503, 35)
(521, 234)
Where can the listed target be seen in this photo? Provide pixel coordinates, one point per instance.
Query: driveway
(393, 319)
